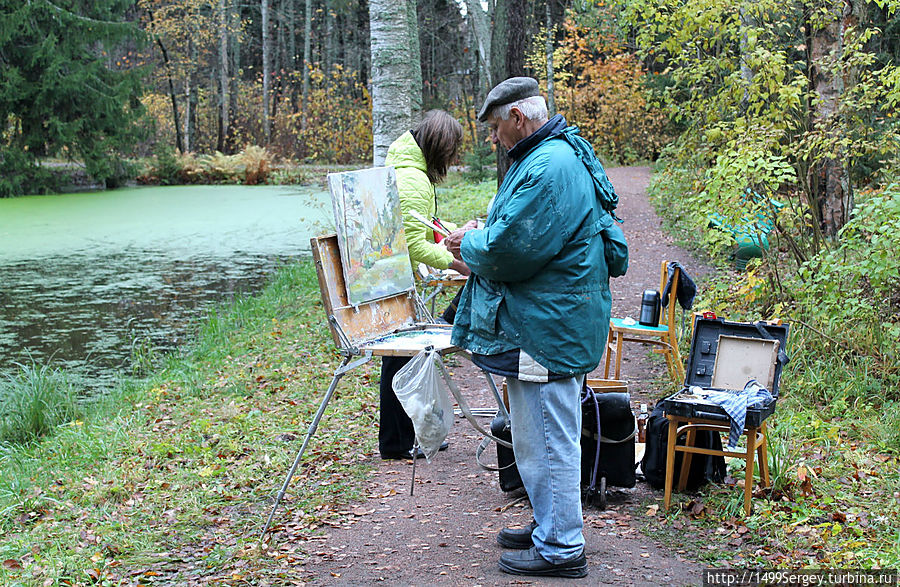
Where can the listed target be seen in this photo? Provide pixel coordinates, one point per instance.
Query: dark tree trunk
(513, 58)
(499, 42)
(829, 176)
(515, 46)
(364, 38)
(179, 139)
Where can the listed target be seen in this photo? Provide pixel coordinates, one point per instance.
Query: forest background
(774, 121)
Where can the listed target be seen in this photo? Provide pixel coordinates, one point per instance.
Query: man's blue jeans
(546, 433)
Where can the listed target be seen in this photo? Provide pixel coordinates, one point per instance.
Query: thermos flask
(650, 308)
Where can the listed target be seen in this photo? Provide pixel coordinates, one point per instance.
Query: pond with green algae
(84, 277)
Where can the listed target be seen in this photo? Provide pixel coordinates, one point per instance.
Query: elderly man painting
(536, 310)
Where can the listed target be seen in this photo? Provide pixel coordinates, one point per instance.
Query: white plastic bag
(422, 392)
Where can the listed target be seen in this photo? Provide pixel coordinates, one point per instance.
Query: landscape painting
(370, 234)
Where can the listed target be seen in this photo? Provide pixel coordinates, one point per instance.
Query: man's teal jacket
(540, 278)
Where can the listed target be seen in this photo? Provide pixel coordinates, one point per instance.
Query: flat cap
(511, 90)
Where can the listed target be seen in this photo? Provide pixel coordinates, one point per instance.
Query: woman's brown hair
(439, 136)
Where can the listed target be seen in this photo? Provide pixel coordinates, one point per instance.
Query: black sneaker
(529, 562)
(519, 538)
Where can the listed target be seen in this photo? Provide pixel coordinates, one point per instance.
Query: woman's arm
(417, 193)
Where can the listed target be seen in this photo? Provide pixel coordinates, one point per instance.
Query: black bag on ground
(509, 473)
(607, 443)
(704, 468)
(607, 450)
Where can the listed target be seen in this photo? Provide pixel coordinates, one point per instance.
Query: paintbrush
(428, 223)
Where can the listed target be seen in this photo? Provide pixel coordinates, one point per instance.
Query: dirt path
(445, 534)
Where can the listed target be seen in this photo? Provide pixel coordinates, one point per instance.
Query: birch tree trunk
(281, 59)
(329, 40)
(190, 107)
(548, 51)
(223, 77)
(234, 54)
(748, 22)
(266, 49)
(393, 74)
(481, 29)
(415, 57)
(307, 49)
(292, 35)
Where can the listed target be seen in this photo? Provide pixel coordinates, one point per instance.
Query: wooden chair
(662, 335)
(757, 445)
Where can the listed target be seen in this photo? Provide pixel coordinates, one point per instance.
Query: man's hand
(453, 242)
(460, 267)
(454, 239)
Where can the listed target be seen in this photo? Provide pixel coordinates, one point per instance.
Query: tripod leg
(312, 430)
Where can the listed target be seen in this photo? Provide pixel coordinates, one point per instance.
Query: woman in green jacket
(420, 158)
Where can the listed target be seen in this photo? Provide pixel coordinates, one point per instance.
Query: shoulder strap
(783, 357)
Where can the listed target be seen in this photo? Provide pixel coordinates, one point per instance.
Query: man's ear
(519, 118)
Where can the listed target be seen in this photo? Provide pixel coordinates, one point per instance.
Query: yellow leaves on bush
(250, 166)
(600, 88)
(256, 164)
(336, 126)
(159, 109)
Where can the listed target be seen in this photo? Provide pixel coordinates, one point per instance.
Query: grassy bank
(835, 499)
(835, 437)
(172, 477)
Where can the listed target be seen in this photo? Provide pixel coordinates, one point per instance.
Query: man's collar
(552, 127)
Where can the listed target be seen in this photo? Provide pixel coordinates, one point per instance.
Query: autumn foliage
(336, 127)
(601, 89)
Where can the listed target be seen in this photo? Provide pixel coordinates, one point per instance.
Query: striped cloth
(735, 404)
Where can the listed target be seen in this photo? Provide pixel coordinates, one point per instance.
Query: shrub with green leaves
(853, 290)
(34, 400)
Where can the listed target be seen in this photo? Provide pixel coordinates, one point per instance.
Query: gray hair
(533, 107)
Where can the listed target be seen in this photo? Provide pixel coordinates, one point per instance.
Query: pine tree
(67, 87)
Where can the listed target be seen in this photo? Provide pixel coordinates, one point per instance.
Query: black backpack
(704, 468)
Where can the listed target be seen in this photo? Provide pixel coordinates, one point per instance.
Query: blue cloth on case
(735, 404)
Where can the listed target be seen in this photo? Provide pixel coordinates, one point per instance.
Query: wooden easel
(388, 326)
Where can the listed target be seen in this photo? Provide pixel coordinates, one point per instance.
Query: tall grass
(157, 465)
(460, 200)
(34, 400)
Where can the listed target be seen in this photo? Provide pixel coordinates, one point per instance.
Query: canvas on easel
(369, 225)
(386, 326)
